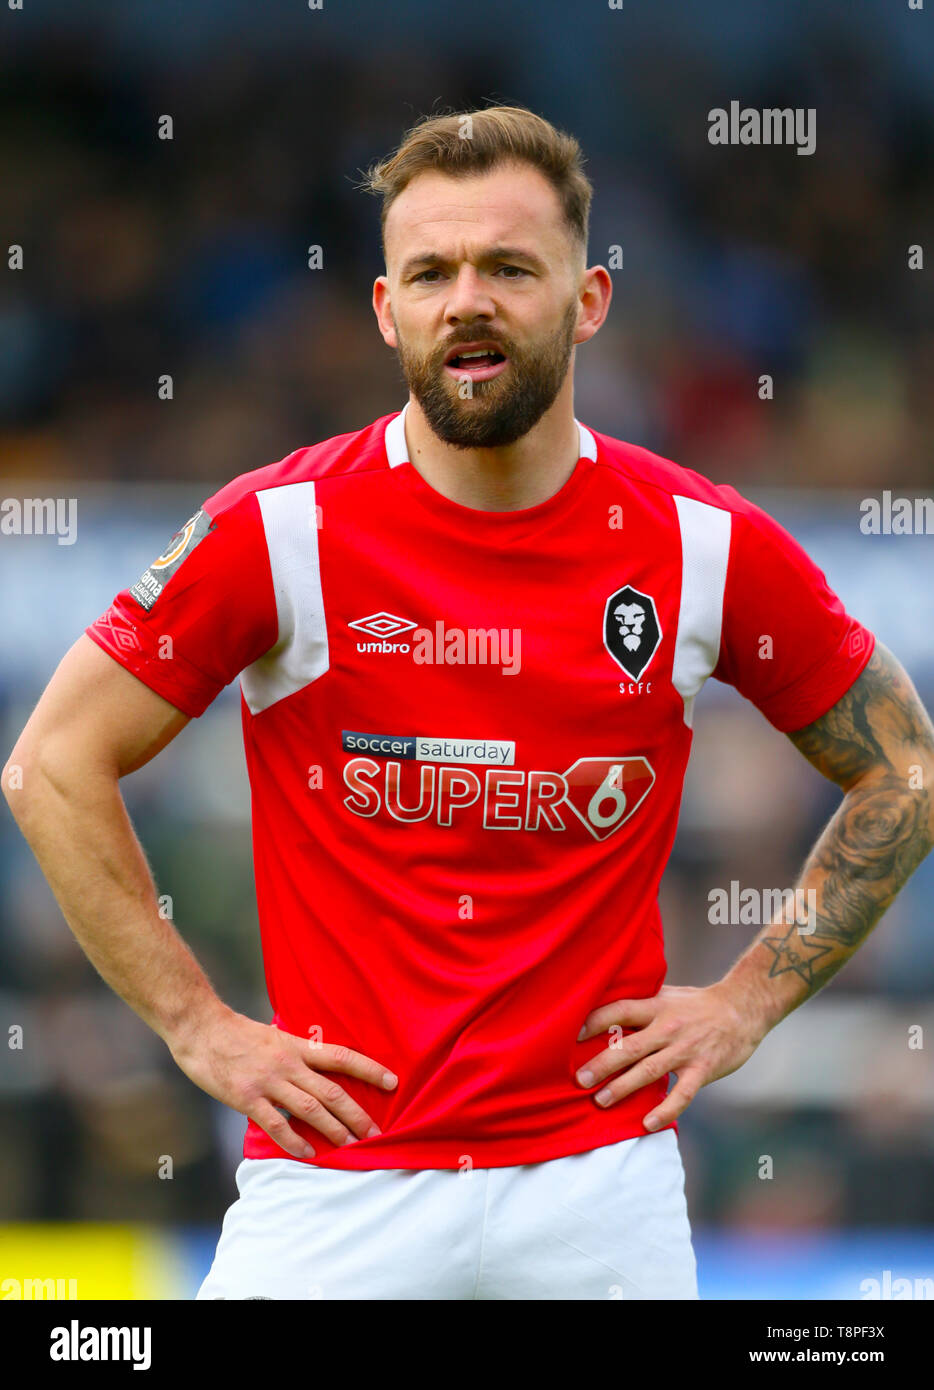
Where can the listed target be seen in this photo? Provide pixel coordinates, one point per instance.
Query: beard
(498, 411)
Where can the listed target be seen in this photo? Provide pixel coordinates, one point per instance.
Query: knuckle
(333, 1093)
(340, 1053)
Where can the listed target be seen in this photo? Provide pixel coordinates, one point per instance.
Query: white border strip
(705, 553)
(300, 655)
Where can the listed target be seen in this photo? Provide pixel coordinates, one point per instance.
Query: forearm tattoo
(877, 743)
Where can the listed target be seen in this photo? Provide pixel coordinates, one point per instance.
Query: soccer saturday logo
(495, 751)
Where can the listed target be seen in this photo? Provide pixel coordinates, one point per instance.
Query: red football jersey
(466, 735)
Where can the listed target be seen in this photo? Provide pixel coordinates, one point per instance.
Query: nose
(469, 298)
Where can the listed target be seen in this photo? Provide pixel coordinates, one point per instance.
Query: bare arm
(877, 745)
(94, 724)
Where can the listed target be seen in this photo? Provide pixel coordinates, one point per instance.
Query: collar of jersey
(397, 456)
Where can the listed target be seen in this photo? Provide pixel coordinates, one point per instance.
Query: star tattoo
(791, 955)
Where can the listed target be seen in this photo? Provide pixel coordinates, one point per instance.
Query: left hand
(702, 1034)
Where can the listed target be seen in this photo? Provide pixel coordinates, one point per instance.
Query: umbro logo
(119, 632)
(441, 645)
(382, 625)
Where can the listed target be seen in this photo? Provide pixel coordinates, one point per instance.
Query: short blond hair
(497, 135)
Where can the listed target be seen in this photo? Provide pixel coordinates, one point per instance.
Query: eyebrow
(494, 253)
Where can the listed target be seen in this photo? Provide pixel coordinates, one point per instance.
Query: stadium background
(189, 257)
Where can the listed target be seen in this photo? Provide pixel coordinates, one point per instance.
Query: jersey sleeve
(203, 610)
(787, 642)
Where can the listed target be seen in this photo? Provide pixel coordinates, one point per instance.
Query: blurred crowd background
(144, 257)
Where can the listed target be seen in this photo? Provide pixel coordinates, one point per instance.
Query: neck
(498, 480)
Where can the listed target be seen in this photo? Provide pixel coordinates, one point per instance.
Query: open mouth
(477, 363)
(476, 359)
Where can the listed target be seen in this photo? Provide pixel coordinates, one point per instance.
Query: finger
(677, 1100)
(302, 1104)
(633, 1013)
(335, 1099)
(335, 1057)
(265, 1114)
(614, 1059)
(642, 1074)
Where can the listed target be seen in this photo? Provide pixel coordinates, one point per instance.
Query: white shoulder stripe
(705, 552)
(300, 655)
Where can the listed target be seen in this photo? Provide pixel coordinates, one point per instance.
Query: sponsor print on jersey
(499, 752)
(153, 580)
(382, 625)
(602, 793)
(631, 630)
(443, 646)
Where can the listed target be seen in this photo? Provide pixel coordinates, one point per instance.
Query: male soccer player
(469, 639)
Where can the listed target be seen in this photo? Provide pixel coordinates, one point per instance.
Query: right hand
(254, 1067)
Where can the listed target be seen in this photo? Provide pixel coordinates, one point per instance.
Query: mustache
(462, 338)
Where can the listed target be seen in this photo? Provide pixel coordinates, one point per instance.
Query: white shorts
(610, 1223)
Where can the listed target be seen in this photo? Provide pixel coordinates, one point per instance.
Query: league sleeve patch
(151, 583)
